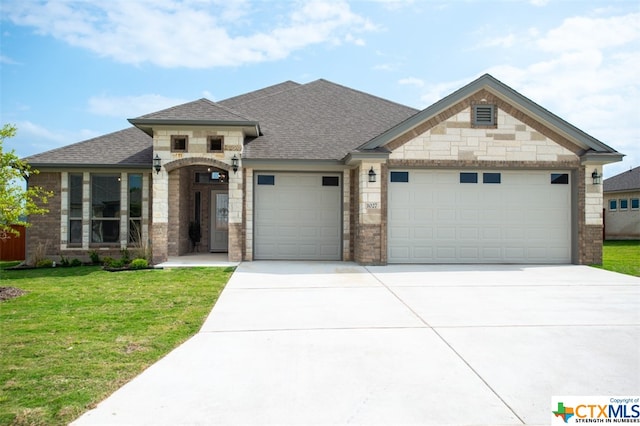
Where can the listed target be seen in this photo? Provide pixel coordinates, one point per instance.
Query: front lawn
(622, 256)
(78, 334)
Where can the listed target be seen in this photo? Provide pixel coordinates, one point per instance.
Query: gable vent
(484, 115)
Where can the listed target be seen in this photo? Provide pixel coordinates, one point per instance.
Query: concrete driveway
(338, 343)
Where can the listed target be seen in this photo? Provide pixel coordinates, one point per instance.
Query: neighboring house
(324, 172)
(622, 206)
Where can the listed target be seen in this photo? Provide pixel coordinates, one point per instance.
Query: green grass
(622, 256)
(81, 333)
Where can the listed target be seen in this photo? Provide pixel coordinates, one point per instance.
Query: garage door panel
(297, 218)
(522, 219)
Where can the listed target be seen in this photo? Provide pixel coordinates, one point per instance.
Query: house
(323, 172)
(622, 206)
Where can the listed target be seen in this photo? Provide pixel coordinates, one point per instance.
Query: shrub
(64, 261)
(124, 256)
(76, 262)
(139, 264)
(44, 263)
(95, 257)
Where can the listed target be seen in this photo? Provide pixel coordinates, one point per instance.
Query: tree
(16, 201)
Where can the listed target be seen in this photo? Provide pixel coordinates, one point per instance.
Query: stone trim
(195, 161)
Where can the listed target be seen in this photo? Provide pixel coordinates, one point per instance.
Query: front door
(219, 235)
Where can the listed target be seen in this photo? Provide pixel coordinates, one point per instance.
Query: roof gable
(498, 89)
(129, 147)
(202, 112)
(625, 181)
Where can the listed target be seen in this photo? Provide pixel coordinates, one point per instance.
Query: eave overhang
(591, 157)
(250, 128)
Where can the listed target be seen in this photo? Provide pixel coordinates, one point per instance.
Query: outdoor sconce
(234, 163)
(597, 178)
(156, 163)
(372, 175)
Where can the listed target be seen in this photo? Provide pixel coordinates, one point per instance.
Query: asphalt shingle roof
(126, 148)
(625, 181)
(317, 121)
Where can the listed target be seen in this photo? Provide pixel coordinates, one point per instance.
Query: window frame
(489, 178)
(70, 217)
(95, 219)
(134, 219)
(623, 204)
(464, 177)
(635, 201)
(613, 205)
(399, 176)
(212, 138)
(175, 138)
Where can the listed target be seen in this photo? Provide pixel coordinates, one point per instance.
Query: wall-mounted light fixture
(234, 163)
(372, 175)
(597, 177)
(156, 163)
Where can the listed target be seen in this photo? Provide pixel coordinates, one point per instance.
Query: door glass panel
(222, 212)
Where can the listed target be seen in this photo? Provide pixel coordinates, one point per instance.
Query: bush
(64, 261)
(76, 262)
(125, 257)
(139, 264)
(44, 263)
(95, 257)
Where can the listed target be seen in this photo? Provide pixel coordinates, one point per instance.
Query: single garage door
(297, 216)
(479, 216)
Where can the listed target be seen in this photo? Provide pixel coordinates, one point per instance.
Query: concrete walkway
(338, 343)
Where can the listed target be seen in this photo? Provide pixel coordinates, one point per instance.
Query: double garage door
(297, 216)
(479, 217)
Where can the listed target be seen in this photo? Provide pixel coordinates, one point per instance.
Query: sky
(71, 70)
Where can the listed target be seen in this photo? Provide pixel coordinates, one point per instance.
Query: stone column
(368, 242)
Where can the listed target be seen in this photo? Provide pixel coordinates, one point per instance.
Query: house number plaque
(372, 205)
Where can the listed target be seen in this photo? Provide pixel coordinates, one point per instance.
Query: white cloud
(584, 33)
(586, 72)
(32, 138)
(539, 3)
(7, 60)
(195, 34)
(411, 81)
(130, 106)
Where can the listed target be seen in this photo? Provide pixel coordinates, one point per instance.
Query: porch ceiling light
(597, 178)
(372, 175)
(156, 163)
(234, 163)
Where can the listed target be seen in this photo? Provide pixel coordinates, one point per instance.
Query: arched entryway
(198, 206)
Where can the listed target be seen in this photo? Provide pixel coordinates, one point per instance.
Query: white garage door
(297, 216)
(479, 217)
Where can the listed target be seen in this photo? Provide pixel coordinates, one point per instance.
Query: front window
(105, 208)
(179, 143)
(135, 208)
(75, 208)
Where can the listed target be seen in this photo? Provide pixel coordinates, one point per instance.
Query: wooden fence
(11, 246)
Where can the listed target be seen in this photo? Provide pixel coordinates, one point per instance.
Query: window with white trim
(75, 208)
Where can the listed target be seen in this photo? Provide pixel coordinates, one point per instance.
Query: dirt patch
(7, 293)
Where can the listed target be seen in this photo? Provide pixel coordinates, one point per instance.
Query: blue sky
(71, 70)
